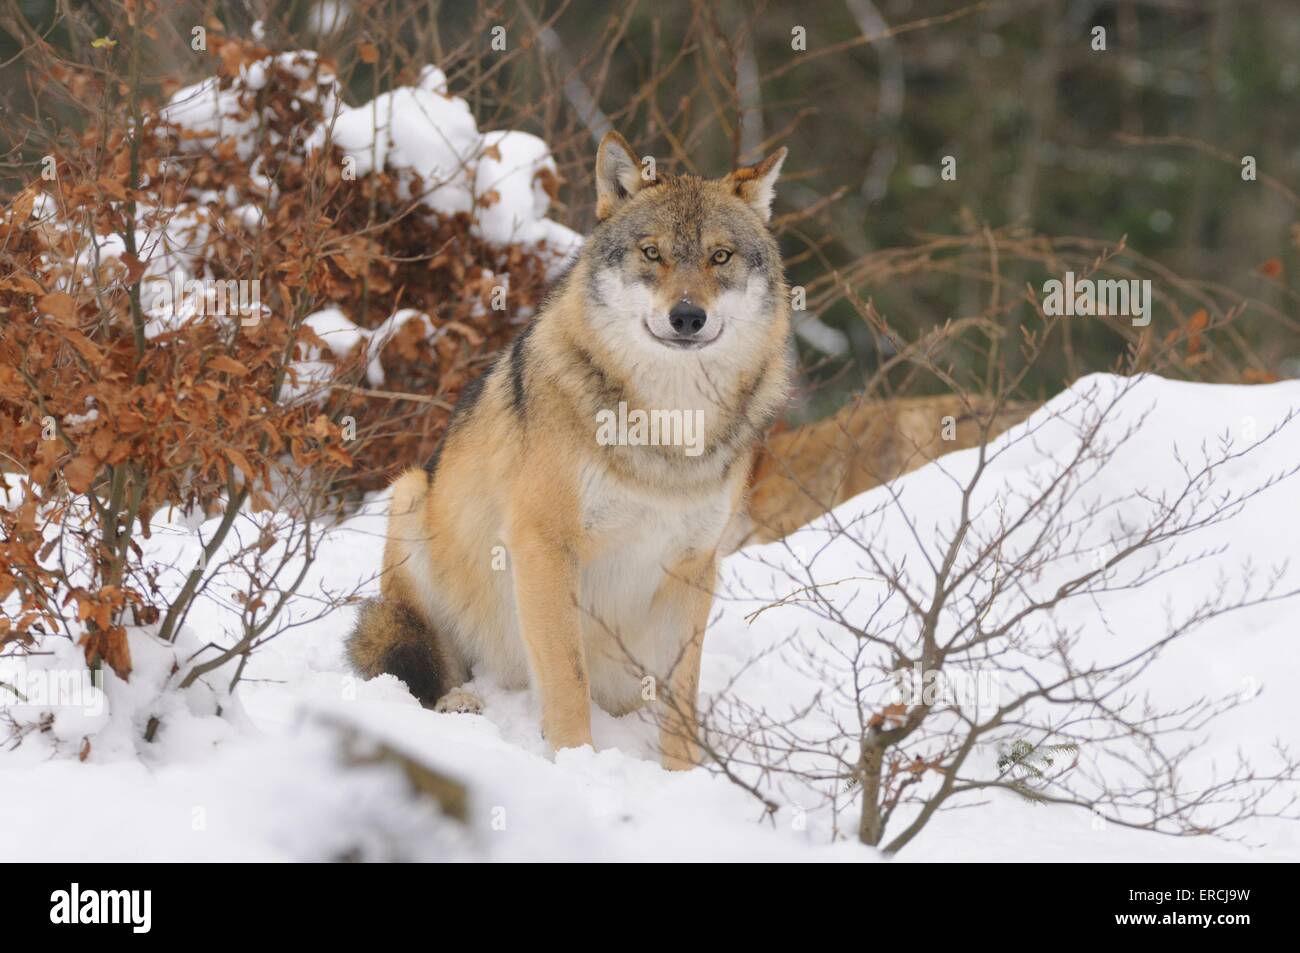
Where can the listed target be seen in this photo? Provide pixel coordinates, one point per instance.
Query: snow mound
(210, 114)
(429, 137)
(416, 131)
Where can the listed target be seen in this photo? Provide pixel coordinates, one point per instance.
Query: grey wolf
(532, 551)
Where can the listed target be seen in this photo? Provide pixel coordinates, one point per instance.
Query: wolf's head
(683, 269)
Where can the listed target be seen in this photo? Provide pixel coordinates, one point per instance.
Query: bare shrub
(943, 648)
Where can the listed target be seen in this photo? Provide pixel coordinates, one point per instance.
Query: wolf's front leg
(546, 581)
(683, 603)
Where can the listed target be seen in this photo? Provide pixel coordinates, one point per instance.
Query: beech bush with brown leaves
(108, 418)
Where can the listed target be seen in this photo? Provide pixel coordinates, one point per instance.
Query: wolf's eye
(721, 256)
(651, 253)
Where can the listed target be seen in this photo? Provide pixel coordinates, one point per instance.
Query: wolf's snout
(687, 319)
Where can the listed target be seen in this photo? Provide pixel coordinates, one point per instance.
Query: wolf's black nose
(687, 318)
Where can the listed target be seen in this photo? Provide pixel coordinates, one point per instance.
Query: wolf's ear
(618, 174)
(756, 184)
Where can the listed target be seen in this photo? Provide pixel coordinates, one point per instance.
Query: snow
(416, 131)
(423, 131)
(342, 337)
(170, 244)
(507, 181)
(210, 114)
(265, 778)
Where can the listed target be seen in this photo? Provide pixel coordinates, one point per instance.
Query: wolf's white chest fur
(641, 536)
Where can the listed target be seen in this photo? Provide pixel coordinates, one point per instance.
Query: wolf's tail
(389, 637)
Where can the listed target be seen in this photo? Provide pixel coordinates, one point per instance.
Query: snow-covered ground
(264, 779)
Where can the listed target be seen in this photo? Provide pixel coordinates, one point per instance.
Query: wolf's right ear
(756, 184)
(618, 174)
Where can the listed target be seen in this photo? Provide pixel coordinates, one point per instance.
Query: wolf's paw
(461, 701)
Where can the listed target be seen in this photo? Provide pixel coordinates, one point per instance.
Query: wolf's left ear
(618, 175)
(756, 184)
